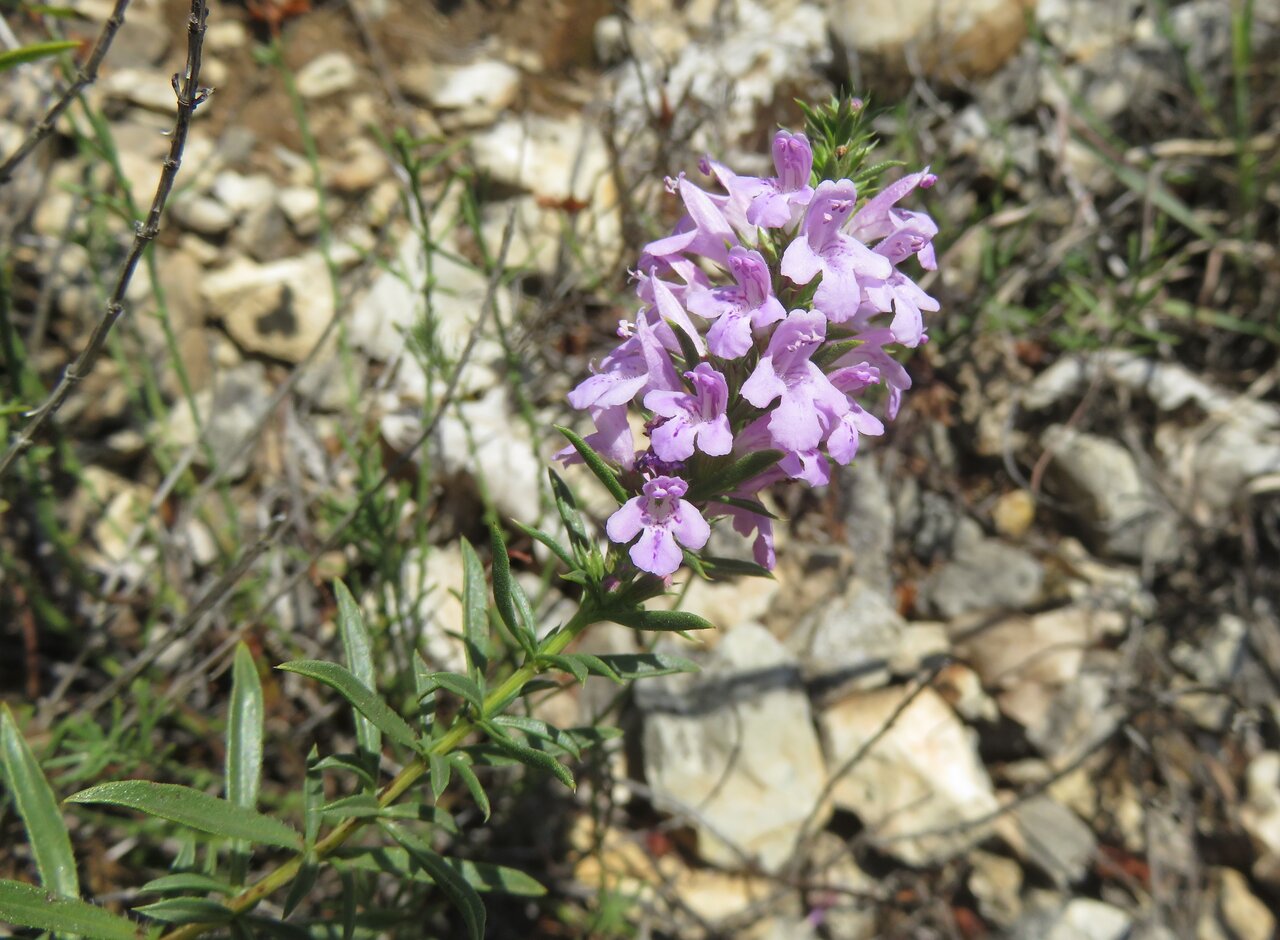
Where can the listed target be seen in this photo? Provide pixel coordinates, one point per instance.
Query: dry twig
(190, 95)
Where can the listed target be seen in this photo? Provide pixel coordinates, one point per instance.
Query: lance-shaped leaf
(462, 767)
(567, 507)
(475, 611)
(187, 911)
(596, 464)
(555, 547)
(647, 665)
(361, 697)
(528, 756)
(29, 906)
(734, 474)
(192, 808)
(186, 881)
(358, 646)
(244, 731)
(668, 621)
(457, 684)
(507, 594)
(46, 832)
(455, 887)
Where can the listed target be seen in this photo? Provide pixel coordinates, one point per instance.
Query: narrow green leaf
(567, 507)
(555, 547)
(186, 881)
(454, 885)
(244, 731)
(29, 906)
(46, 831)
(719, 569)
(524, 610)
(192, 808)
(647, 665)
(668, 621)
(349, 763)
(301, 887)
(358, 806)
(486, 877)
(349, 903)
(529, 756)
(358, 646)
(569, 664)
(365, 701)
(440, 772)
(503, 582)
(186, 911)
(312, 797)
(734, 475)
(34, 51)
(475, 611)
(596, 666)
(596, 464)
(537, 728)
(459, 685)
(463, 769)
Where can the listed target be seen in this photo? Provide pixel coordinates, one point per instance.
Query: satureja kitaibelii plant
(762, 350)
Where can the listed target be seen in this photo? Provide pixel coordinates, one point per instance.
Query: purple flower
(821, 248)
(744, 523)
(905, 298)
(699, 418)
(661, 517)
(808, 401)
(704, 230)
(737, 310)
(776, 202)
(905, 233)
(871, 354)
(638, 365)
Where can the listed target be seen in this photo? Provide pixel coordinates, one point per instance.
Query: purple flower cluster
(709, 289)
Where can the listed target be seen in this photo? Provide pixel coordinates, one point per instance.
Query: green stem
(494, 703)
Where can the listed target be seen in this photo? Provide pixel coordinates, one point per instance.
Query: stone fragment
(733, 751)
(1077, 919)
(919, 788)
(227, 413)
(279, 309)
(474, 94)
(984, 575)
(301, 206)
(1233, 911)
(203, 215)
(856, 641)
(996, 883)
(327, 74)
(145, 88)
(1260, 815)
(1047, 835)
(1013, 513)
(1110, 496)
(947, 39)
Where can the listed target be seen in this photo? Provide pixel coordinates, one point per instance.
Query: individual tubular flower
(664, 520)
(737, 310)
(786, 373)
(822, 248)
(693, 420)
(778, 201)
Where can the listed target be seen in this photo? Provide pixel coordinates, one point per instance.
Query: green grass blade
(37, 50)
(361, 697)
(192, 808)
(38, 808)
(29, 906)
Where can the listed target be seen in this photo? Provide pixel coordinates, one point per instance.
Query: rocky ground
(1017, 673)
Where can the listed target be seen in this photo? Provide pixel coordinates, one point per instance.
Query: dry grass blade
(190, 95)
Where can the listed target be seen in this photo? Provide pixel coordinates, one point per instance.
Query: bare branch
(190, 95)
(85, 77)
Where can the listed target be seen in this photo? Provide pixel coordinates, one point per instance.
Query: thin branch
(85, 77)
(190, 95)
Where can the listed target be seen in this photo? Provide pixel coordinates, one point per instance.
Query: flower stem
(412, 772)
